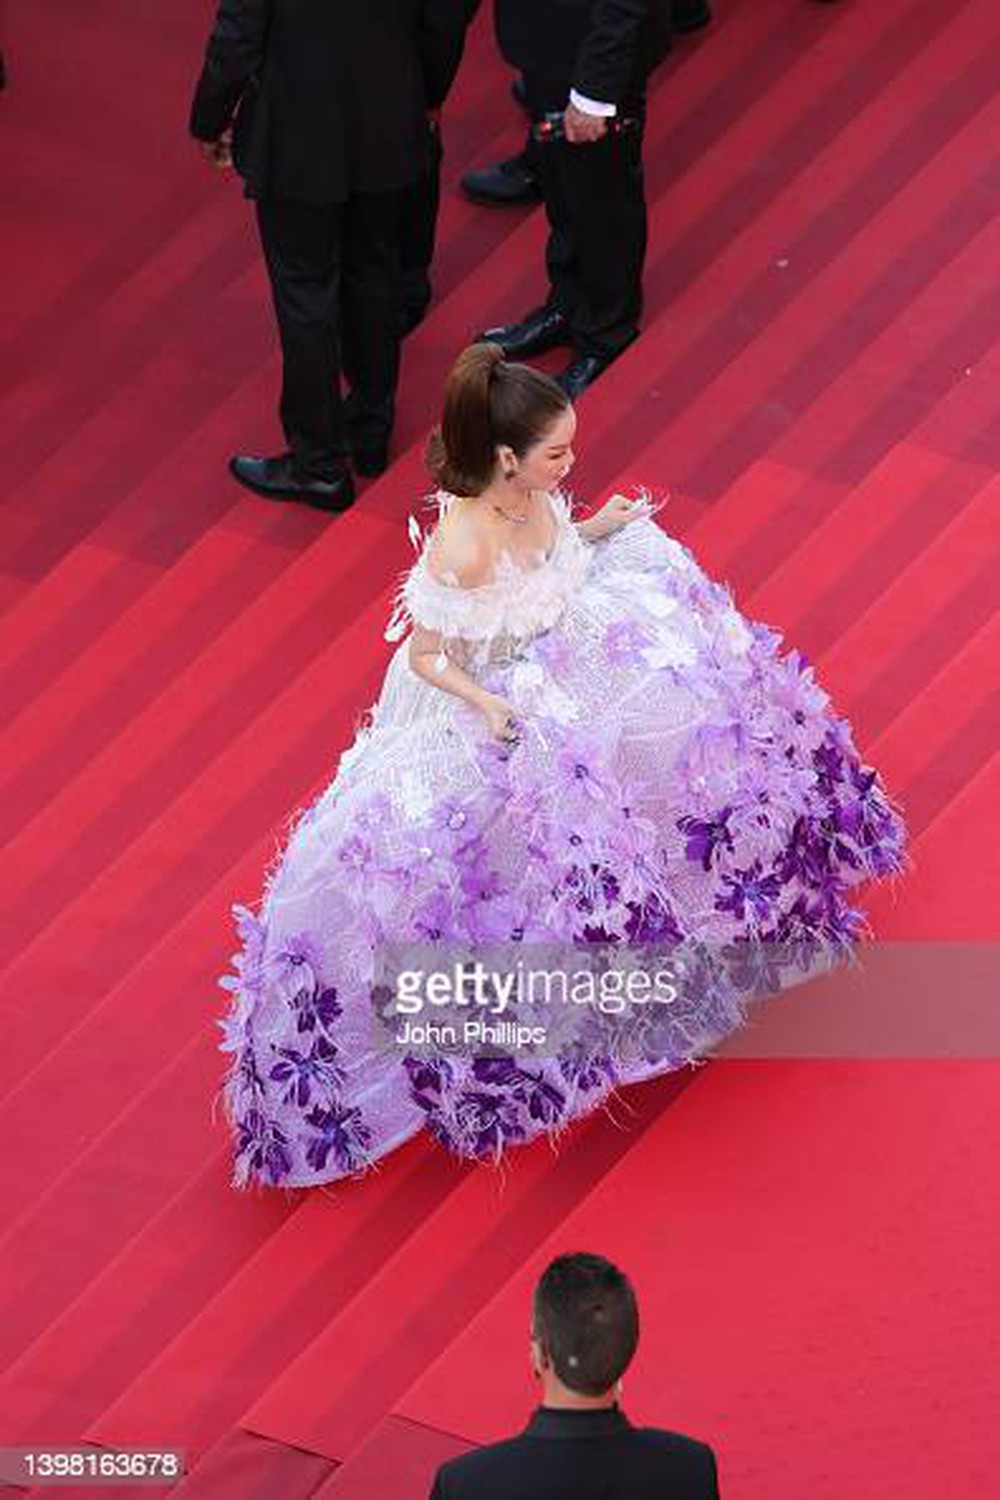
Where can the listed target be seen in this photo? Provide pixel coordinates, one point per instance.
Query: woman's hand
(502, 719)
(613, 515)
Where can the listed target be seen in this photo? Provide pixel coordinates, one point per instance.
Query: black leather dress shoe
(510, 182)
(276, 479)
(540, 330)
(581, 373)
(689, 15)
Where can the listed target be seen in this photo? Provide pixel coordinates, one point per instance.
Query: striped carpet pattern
(810, 1218)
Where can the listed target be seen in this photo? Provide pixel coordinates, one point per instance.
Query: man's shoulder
(466, 1466)
(659, 1442)
(663, 1440)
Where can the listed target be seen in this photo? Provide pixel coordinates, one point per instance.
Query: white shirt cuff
(592, 106)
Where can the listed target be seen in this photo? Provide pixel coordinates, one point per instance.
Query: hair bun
(492, 356)
(480, 412)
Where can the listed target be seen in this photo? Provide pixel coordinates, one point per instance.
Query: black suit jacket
(582, 1455)
(603, 48)
(330, 96)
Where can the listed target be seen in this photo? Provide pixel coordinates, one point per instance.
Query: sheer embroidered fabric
(492, 621)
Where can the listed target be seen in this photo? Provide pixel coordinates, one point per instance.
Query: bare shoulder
(461, 549)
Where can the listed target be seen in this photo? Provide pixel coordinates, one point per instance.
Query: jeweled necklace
(518, 520)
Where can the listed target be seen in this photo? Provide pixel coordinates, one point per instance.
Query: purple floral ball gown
(680, 778)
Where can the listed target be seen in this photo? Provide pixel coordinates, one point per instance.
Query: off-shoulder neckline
(504, 557)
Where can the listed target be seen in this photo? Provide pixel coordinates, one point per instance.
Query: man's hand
(220, 152)
(582, 128)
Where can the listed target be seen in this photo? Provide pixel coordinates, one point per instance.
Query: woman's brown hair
(488, 402)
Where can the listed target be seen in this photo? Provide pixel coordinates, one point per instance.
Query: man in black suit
(323, 108)
(515, 180)
(584, 63)
(579, 1443)
(420, 216)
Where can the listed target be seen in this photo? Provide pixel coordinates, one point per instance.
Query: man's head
(585, 1326)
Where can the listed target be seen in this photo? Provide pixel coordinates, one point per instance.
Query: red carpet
(811, 1218)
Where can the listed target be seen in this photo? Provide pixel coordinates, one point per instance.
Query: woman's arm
(430, 660)
(462, 557)
(612, 516)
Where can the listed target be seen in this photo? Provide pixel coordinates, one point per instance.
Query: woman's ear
(507, 459)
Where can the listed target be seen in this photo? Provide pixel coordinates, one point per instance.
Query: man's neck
(566, 1400)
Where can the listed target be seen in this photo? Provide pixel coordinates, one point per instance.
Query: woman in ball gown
(580, 746)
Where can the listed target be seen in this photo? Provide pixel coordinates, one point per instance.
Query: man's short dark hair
(587, 1320)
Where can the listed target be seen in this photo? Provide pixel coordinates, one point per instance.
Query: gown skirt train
(682, 784)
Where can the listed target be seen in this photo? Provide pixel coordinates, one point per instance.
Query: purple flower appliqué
(485, 1120)
(750, 893)
(301, 1071)
(586, 1070)
(480, 884)
(829, 763)
(356, 854)
(298, 952)
(317, 1007)
(582, 771)
(707, 837)
(553, 651)
(246, 1079)
(493, 759)
(544, 1101)
(261, 1148)
(801, 931)
(501, 919)
(500, 1071)
(340, 1130)
(651, 921)
(624, 641)
(429, 1077)
(433, 918)
(451, 830)
(867, 817)
(806, 855)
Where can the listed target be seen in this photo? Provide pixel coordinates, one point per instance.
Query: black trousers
(421, 203)
(335, 279)
(596, 206)
(420, 215)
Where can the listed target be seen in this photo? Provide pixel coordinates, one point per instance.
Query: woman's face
(547, 462)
